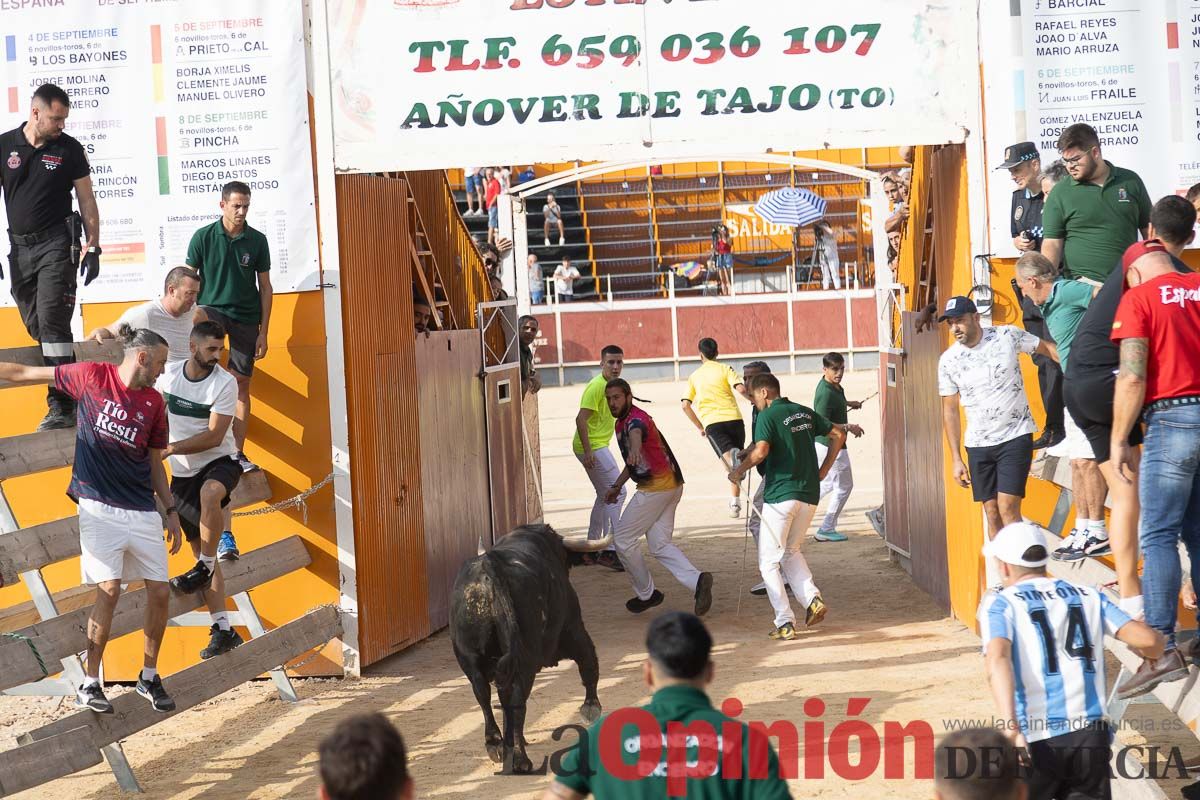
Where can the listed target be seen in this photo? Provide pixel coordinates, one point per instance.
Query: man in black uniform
(39, 166)
(1024, 164)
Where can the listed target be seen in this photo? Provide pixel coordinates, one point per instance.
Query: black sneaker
(637, 605)
(1094, 545)
(1072, 549)
(196, 579)
(220, 642)
(153, 691)
(246, 464)
(704, 593)
(56, 420)
(92, 696)
(610, 559)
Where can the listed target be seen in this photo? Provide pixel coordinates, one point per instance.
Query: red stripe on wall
(1172, 35)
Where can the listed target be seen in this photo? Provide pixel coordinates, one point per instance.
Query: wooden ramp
(42, 638)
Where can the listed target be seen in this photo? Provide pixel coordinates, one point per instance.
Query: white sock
(1098, 527)
(1082, 524)
(992, 571)
(149, 673)
(208, 561)
(88, 680)
(1134, 606)
(221, 620)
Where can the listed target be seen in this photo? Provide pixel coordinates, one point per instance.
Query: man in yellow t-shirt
(716, 413)
(594, 426)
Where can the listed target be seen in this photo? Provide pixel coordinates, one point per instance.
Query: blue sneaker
(829, 536)
(227, 549)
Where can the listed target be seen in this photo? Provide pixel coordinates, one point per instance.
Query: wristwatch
(96, 249)
(172, 510)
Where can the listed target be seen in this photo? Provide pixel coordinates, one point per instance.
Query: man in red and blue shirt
(651, 511)
(120, 435)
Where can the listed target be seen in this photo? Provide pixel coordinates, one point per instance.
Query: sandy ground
(883, 640)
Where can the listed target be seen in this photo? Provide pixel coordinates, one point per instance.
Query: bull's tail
(509, 664)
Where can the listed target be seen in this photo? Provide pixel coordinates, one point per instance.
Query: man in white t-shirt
(564, 281)
(201, 398)
(982, 373)
(170, 316)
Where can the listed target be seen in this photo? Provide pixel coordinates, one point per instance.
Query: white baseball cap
(1013, 540)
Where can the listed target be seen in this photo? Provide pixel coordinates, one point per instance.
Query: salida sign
(484, 82)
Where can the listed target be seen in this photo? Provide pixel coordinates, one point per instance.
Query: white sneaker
(735, 508)
(561, 241)
(547, 242)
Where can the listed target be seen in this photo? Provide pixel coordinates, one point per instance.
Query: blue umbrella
(790, 206)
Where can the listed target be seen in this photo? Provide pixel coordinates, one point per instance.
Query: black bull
(514, 612)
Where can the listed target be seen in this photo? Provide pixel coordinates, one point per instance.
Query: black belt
(1170, 402)
(46, 234)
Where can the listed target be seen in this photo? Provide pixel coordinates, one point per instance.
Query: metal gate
(502, 404)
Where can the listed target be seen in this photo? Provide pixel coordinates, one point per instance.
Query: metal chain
(292, 502)
(41, 664)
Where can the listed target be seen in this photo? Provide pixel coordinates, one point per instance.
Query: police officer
(40, 166)
(1024, 164)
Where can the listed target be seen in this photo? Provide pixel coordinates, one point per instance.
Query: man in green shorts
(594, 425)
(678, 669)
(785, 443)
(234, 263)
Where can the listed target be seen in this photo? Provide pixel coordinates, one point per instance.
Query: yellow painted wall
(288, 437)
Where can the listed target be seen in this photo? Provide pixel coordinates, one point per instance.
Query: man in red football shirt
(1157, 326)
(118, 469)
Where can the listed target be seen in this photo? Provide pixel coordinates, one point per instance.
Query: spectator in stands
(825, 251)
(552, 216)
(894, 251)
(1158, 328)
(982, 373)
(472, 185)
(716, 414)
(422, 315)
(527, 330)
(364, 758)
(537, 281)
(897, 194)
(1063, 303)
(1052, 703)
(170, 316)
(1193, 197)
(722, 256)
(1090, 383)
(977, 764)
(492, 193)
(117, 473)
(565, 276)
(504, 175)
(491, 259)
(1089, 220)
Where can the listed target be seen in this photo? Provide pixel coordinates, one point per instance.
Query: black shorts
(726, 436)
(1000, 468)
(1072, 765)
(243, 339)
(186, 492)
(1089, 401)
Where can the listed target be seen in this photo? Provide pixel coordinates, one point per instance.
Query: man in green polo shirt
(1062, 303)
(594, 426)
(635, 764)
(1090, 219)
(785, 444)
(831, 403)
(234, 263)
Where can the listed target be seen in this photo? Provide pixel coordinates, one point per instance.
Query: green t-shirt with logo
(790, 430)
(690, 707)
(1096, 223)
(830, 402)
(229, 270)
(1063, 310)
(600, 424)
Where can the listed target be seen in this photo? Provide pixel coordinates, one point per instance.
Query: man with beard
(651, 511)
(527, 331)
(981, 371)
(201, 400)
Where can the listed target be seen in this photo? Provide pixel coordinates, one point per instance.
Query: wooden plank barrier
(41, 761)
(111, 352)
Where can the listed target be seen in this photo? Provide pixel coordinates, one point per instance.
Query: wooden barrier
(51, 630)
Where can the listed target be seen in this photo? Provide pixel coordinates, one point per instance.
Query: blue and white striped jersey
(1056, 629)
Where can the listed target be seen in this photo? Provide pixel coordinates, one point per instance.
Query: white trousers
(756, 506)
(837, 486)
(652, 514)
(783, 528)
(604, 516)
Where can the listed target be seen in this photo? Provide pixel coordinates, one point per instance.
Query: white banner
(444, 83)
(171, 101)
(1128, 68)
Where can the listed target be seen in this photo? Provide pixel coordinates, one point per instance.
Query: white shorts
(1075, 444)
(119, 544)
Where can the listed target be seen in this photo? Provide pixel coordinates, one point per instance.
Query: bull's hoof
(590, 711)
(495, 751)
(521, 765)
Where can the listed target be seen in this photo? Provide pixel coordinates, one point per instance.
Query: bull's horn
(582, 544)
